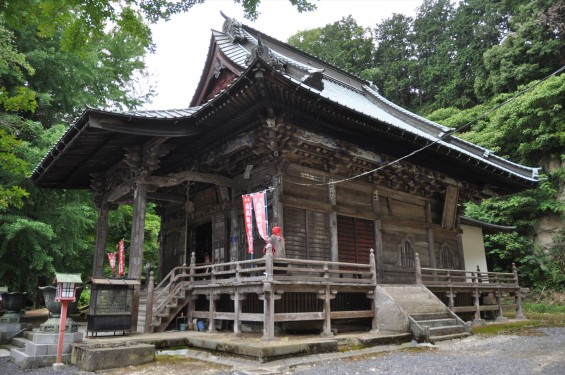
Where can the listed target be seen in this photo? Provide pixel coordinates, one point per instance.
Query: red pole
(62, 324)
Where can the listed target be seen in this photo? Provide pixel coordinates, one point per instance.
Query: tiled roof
(362, 97)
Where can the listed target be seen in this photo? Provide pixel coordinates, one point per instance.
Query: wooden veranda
(269, 279)
(271, 290)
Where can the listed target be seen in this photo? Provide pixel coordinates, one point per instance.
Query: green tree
(395, 61)
(529, 130)
(477, 26)
(432, 38)
(343, 43)
(532, 48)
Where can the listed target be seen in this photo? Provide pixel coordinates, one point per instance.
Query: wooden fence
(478, 284)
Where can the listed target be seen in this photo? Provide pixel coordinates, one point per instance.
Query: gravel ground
(542, 352)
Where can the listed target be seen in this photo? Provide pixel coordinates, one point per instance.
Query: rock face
(547, 229)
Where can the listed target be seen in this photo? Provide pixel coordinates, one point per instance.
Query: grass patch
(521, 327)
(539, 314)
(543, 308)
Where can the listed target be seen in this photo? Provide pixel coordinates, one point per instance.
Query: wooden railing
(270, 274)
(452, 282)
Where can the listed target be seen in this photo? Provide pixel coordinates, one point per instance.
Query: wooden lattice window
(406, 253)
(447, 259)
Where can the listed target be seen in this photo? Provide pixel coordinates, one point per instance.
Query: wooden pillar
(277, 207)
(234, 229)
(517, 296)
(431, 239)
(460, 251)
(379, 252)
(374, 306)
(136, 246)
(237, 298)
(137, 231)
(212, 311)
(149, 305)
(334, 247)
(327, 295)
(418, 269)
(190, 308)
(268, 298)
(101, 234)
(477, 300)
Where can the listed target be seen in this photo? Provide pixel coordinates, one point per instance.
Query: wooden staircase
(430, 319)
(167, 304)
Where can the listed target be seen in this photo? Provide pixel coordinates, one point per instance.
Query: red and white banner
(260, 213)
(248, 217)
(112, 260)
(121, 258)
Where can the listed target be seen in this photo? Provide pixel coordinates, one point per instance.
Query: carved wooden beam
(173, 179)
(119, 191)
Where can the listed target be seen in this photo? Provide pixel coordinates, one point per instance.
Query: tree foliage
(344, 44)
(455, 62)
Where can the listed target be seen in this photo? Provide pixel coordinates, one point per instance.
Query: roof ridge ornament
(314, 79)
(233, 29)
(264, 52)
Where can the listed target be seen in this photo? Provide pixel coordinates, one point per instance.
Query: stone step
(434, 339)
(26, 361)
(37, 350)
(446, 330)
(431, 316)
(437, 322)
(20, 342)
(52, 338)
(424, 309)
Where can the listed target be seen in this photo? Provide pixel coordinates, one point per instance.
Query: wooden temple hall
(368, 196)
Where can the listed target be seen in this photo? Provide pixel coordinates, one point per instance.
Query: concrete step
(19, 342)
(424, 309)
(434, 339)
(26, 361)
(432, 316)
(446, 330)
(438, 322)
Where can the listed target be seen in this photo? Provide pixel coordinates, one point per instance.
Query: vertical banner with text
(112, 260)
(248, 217)
(121, 258)
(260, 213)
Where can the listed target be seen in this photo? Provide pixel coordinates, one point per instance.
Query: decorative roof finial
(264, 52)
(233, 28)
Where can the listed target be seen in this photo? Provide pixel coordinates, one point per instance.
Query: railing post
(418, 269)
(374, 307)
(268, 297)
(269, 263)
(149, 305)
(477, 297)
(500, 317)
(213, 274)
(479, 276)
(238, 272)
(451, 296)
(192, 264)
(517, 296)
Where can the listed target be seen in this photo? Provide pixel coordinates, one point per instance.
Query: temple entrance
(203, 242)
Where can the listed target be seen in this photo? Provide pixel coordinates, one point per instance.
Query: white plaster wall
(473, 248)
